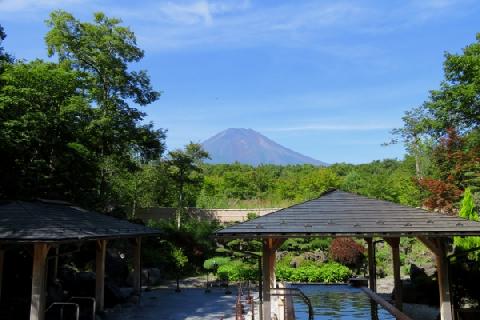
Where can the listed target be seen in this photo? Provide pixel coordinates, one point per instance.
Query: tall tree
(451, 119)
(101, 52)
(184, 168)
(417, 124)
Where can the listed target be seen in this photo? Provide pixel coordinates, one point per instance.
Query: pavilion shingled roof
(51, 221)
(339, 213)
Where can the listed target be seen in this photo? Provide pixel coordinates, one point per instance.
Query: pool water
(338, 302)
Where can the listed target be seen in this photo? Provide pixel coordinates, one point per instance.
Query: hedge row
(331, 272)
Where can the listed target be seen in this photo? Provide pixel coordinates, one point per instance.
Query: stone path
(190, 304)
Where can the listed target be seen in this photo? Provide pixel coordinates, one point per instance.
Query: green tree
(416, 124)
(457, 103)
(101, 52)
(45, 133)
(185, 170)
(180, 260)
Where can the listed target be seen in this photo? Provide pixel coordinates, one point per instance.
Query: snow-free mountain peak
(251, 147)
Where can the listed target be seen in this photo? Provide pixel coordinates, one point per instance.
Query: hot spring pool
(338, 302)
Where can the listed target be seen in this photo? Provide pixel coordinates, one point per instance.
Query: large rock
(317, 256)
(421, 288)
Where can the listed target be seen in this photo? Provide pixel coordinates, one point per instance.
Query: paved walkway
(190, 304)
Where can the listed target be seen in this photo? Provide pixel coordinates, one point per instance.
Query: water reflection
(339, 302)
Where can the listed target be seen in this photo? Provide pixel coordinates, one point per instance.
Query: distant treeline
(245, 186)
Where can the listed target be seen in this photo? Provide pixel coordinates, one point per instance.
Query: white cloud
(334, 127)
(190, 13)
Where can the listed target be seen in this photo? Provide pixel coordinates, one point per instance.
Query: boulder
(421, 288)
(318, 256)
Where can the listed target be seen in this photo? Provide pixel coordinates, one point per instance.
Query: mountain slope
(250, 147)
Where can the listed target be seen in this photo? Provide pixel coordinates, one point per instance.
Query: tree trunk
(418, 169)
(180, 207)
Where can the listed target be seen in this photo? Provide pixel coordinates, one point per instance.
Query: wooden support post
(266, 277)
(100, 274)
(2, 258)
(37, 304)
(437, 246)
(268, 274)
(446, 311)
(372, 276)
(137, 266)
(395, 245)
(55, 264)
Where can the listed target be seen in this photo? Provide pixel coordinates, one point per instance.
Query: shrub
(251, 216)
(320, 243)
(328, 272)
(346, 251)
(469, 212)
(215, 262)
(237, 270)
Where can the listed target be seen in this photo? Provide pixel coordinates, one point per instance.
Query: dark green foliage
(305, 244)
(193, 238)
(45, 134)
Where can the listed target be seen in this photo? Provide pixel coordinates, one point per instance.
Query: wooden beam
(2, 258)
(399, 315)
(372, 276)
(395, 245)
(37, 304)
(101, 252)
(137, 265)
(276, 243)
(431, 244)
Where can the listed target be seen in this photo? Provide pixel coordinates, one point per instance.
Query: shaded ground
(190, 304)
(415, 311)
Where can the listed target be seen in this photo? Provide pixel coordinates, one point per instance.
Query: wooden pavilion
(338, 214)
(46, 225)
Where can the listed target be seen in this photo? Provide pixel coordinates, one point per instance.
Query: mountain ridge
(251, 147)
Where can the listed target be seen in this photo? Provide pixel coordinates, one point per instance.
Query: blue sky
(328, 79)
